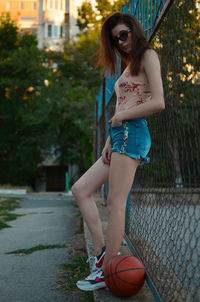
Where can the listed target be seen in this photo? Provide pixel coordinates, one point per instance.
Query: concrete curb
(13, 191)
(145, 295)
(69, 193)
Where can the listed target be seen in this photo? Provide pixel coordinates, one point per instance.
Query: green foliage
(90, 18)
(86, 14)
(7, 205)
(46, 110)
(79, 66)
(80, 58)
(22, 79)
(178, 45)
(36, 248)
(8, 36)
(35, 119)
(78, 82)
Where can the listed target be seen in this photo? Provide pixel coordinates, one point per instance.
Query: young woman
(139, 93)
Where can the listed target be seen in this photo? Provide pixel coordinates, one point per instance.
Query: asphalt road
(46, 220)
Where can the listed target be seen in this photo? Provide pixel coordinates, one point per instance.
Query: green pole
(66, 181)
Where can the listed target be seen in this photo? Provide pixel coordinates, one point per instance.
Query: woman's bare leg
(82, 191)
(121, 175)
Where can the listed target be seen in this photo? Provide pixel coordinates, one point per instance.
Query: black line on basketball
(110, 272)
(106, 272)
(134, 284)
(128, 269)
(125, 257)
(113, 279)
(131, 269)
(111, 275)
(127, 282)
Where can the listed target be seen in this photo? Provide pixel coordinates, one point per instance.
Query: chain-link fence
(164, 212)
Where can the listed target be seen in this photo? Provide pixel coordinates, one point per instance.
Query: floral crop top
(131, 90)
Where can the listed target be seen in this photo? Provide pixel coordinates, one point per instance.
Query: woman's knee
(75, 189)
(79, 191)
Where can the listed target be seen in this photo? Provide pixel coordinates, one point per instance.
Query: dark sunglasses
(123, 36)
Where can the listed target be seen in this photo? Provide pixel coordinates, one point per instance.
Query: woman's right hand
(106, 155)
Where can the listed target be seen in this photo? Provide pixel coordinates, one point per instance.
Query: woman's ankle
(98, 250)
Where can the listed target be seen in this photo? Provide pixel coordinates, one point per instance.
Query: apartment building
(51, 24)
(25, 13)
(52, 21)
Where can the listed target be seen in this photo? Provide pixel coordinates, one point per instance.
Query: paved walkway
(47, 220)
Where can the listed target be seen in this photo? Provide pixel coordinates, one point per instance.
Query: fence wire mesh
(164, 213)
(164, 221)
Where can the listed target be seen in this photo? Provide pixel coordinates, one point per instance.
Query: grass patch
(72, 271)
(37, 248)
(3, 225)
(76, 267)
(11, 216)
(6, 206)
(9, 204)
(80, 229)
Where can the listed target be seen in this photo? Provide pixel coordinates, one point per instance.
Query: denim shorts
(131, 138)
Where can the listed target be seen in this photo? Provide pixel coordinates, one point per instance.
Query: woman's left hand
(115, 120)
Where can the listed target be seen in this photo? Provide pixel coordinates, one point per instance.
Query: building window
(61, 31)
(198, 6)
(55, 31)
(56, 4)
(27, 18)
(7, 5)
(61, 4)
(67, 18)
(21, 5)
(34, 32)
(51, 4)
(49, 30)
(34, 5)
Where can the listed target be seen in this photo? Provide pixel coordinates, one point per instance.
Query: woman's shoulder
(149, 54)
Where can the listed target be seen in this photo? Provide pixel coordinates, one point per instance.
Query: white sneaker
(94, 281)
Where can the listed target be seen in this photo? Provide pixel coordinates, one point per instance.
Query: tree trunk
(173, 147)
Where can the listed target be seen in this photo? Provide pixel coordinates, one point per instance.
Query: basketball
(124, 275)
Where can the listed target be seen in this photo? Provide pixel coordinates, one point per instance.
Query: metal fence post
(67, 181)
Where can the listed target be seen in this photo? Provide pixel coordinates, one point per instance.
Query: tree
(87, 16)
(36, 118)
(8, 36)
(78, 83)
(22, 79)
(178, 45)
(90, 19)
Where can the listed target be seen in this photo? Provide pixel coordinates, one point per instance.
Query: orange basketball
(124, 275)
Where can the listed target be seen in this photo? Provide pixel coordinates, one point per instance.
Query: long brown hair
(108, 47)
